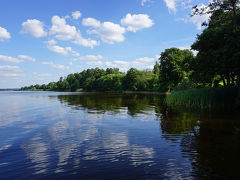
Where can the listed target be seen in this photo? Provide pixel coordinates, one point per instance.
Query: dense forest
(217, 63)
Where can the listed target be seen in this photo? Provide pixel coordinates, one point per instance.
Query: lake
(52, 135)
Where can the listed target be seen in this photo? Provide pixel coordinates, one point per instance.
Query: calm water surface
(49, 135)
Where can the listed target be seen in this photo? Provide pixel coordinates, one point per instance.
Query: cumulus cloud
(26, 58)
(91, 22)
(136, 22)
(76, 14)
(85, 42)
(4, 34)
(171, 5)
(58, 49)
(51, 45)
(62, 30)
(33, 27)
(10, 59)
(65, 32)
(109, 32)
(56, 66)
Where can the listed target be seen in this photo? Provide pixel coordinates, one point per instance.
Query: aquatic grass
(204, 98)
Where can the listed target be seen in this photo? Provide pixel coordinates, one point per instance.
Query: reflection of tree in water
(175, 122)
(214, 149)
(103, 102)
(211, 141)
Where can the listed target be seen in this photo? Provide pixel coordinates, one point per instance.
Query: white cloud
(51, 42)
(139, 63)
(122, 65)
(74, 53)
(62, 30)
(143, 2)
(27, 58)
(42, 74)
(85, 42)
(95, 63)
(89, 57)
(91, 22)
(184, 47)
(145, 60)
(10, 68)
(4, 34)
(109, 32)
(33, 27)
(10, 71)
(60, 50)
(10, 75)
(10, 59)
(171, 5)
(136, 22)
(56, 66)
(65, 32)
(76, 14)
(197, 20)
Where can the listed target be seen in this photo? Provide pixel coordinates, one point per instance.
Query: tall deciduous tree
(220, 42)
(174, 65)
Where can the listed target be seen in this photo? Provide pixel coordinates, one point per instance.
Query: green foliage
(174, 66)
(102, 80)
(139, 80)
(218, 50)
(111, 82)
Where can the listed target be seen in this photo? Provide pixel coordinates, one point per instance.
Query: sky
(40, 41)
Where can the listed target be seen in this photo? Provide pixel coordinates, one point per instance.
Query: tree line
(216, 64)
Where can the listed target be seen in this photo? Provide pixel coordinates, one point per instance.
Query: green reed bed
(204, 98)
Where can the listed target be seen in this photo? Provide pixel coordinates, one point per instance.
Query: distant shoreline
(122, 92)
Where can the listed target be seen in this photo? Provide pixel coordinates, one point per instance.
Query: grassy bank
(205, 98)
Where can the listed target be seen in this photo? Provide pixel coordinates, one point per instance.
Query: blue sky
(43, 40)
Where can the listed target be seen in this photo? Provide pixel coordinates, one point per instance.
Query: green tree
(218, 48)
(174, 67)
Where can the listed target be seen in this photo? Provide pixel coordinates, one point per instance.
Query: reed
(204, 98)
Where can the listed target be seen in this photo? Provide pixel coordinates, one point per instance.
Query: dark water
(48, 135)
